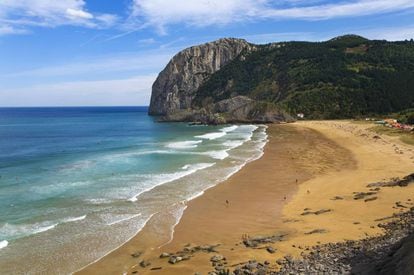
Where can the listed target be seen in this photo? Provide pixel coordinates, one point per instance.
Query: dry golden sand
(378, 159)
(305, 165)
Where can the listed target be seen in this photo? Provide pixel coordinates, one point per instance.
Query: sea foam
(177, 214)
(217, 154)
(74, 219)
(189, 144)
(44, 229)
(4, 244)
(229, 129)
(127, 218)
(216, 135)
(13, 231)
(234, 143)
(212, 136)
(166, 178)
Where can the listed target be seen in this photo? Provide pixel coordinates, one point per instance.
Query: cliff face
(176, 85)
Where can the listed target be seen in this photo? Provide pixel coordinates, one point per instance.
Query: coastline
(303, 167)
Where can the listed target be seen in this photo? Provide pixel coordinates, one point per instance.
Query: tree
(410, 118)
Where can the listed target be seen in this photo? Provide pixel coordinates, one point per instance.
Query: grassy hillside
(344, 77)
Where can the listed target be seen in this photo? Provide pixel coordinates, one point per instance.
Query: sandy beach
(310, 187)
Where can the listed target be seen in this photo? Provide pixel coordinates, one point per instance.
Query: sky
(109, 52)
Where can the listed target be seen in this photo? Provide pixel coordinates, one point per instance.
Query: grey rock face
(176, 85)
(239, 109)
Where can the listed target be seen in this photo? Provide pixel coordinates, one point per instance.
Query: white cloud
(343, 9)
(161, 13)
(22, 14)
(6, 29)
(79, 13)
(107, 20)
(130, 91)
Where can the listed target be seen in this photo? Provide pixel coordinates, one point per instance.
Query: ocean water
(76, 183)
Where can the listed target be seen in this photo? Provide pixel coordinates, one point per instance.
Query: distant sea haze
(76, 183)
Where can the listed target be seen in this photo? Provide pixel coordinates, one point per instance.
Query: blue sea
(76, 183)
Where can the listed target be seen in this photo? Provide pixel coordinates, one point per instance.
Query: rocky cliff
(176, 85)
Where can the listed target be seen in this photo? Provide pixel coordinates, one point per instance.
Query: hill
(343, 77)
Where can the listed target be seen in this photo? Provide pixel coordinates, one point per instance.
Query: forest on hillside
(345, 77)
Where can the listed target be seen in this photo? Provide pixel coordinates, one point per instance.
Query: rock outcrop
(176, 85)
(238, 109)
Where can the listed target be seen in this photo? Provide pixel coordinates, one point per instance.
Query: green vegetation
(345, 77)
(406, 116)
(406, 137)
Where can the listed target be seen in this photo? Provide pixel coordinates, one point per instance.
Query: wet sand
(305, 166)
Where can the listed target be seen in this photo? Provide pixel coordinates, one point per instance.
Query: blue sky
(109, 52)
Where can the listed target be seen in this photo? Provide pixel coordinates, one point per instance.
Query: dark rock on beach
(394, 182)
(391, 253)
(316, 231)
(370, 199)
(144, 263)
(136, 254)
(175, 259)
(319, 212)
(363, 195)
(270, 249)
(258, 240)
(165, 255)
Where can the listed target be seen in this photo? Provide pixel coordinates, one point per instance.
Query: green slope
(344, 77)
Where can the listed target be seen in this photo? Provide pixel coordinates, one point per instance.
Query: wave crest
(4, 244)
(166, 178)
(189, 144)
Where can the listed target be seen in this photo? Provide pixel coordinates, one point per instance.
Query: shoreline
(284, 194)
